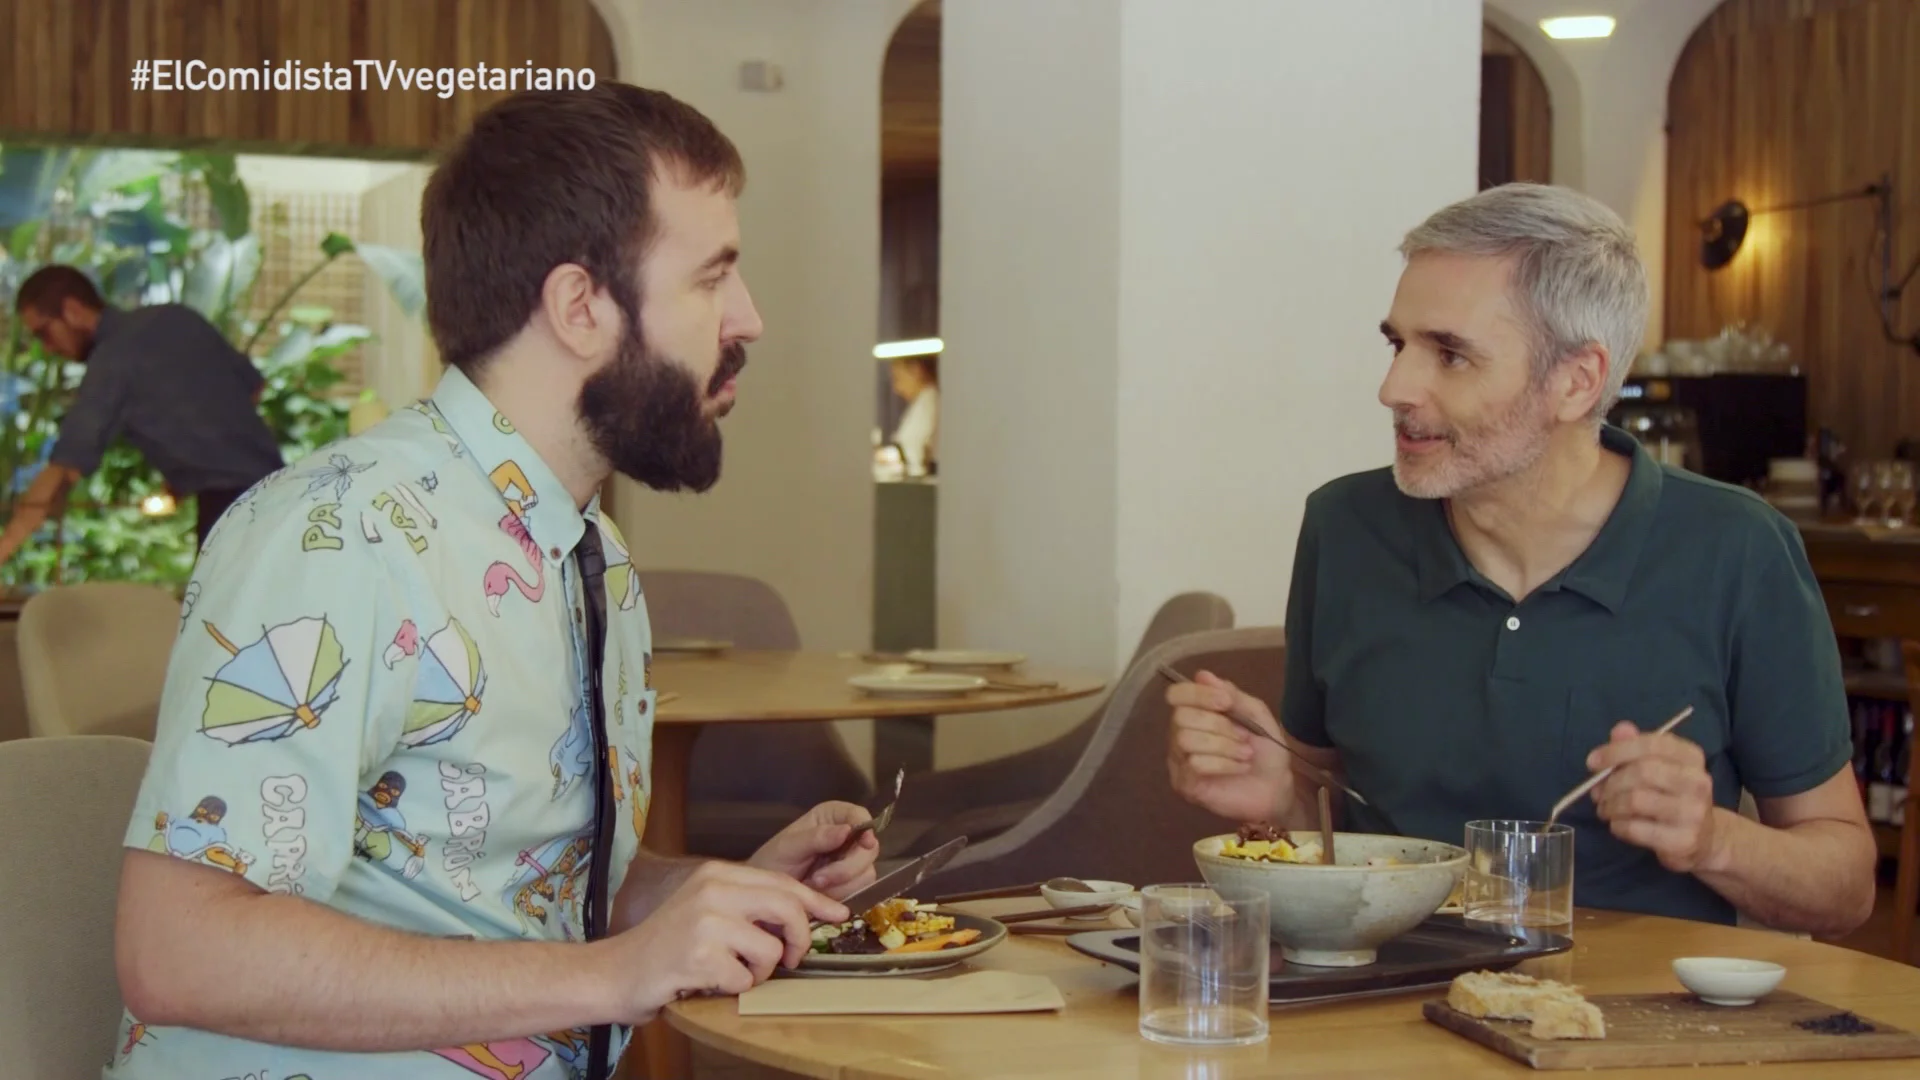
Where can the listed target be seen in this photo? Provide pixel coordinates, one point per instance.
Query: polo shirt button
(1513, 622)
(555, 552)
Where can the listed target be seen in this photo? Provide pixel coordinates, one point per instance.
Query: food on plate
(1557, 1011)
(896, 926)
(1261, 842)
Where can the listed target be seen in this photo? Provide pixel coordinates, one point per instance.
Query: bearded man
(1526, 593)
(423, 608)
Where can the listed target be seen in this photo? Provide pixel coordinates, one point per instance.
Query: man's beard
(1482, 456)
(645, 416)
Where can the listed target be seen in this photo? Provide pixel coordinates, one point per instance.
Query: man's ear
(580, 314)
(1583, 375)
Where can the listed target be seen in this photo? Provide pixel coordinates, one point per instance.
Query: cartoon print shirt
(378, 702)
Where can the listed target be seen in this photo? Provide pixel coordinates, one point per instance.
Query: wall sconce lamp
(1723, 231)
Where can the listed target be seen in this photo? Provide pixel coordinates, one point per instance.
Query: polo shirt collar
(1601, 573)
(528, 488)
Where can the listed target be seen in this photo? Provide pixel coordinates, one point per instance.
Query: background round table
(739, 686)
(1097, 1035)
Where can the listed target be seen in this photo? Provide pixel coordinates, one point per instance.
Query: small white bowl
(1725, 980)
(1130, 909)
(1110, 893)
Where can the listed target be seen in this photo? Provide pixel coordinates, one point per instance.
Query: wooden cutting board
(1680, 1029)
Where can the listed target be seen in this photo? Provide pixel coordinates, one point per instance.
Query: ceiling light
(894, 350)
(1578, 26)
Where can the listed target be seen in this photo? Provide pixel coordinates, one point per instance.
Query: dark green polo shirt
(1449, 702)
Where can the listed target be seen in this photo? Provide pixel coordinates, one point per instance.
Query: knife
(906, 877)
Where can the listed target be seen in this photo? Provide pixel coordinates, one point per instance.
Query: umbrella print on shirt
(275, 687)
(447, 690)
(623, 582)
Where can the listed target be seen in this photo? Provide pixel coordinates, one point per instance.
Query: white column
(1168, 240)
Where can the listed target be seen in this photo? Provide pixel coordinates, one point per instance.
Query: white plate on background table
(914, 684)
(965, 658)
(690, 645)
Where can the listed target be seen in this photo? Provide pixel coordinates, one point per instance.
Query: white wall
(1161, 303)
(1275, 155)
(795, 503)
(1621, 110)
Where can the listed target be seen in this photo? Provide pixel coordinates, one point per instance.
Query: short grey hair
(1577, 278)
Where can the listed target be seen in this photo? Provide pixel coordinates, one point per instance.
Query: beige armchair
(1116, 815)
(64, 808)
(93, 657)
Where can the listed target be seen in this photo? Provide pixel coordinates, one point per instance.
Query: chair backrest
(93, 657)
(800, 764)
(64, 806)
(1117, 817)
(718, 607)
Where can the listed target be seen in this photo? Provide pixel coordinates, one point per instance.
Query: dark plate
(1430, 954)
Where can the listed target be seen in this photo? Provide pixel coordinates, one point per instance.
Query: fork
(874, 825)
(1326, 779)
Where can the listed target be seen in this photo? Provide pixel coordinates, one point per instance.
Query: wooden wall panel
(72, 60)
(1531, 117)
(1775, 101)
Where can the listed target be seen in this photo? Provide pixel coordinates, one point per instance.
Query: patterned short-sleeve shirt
(379, 702)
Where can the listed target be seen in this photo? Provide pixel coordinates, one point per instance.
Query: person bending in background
(161, 375)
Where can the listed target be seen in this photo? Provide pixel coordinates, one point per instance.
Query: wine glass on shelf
(1865, 489)
(1896, 494)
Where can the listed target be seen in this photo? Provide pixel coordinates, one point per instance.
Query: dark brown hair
(49, 288)
(551, 177)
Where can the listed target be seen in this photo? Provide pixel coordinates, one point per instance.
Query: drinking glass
(1865, 492)
(1894, 479)
(1203, 965)
(1520, 873)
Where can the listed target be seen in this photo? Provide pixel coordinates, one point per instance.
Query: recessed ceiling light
(893, 350)
(1578, 26)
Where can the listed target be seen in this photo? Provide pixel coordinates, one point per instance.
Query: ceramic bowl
(1726, 980)
(1110, 893)
(1340, 915)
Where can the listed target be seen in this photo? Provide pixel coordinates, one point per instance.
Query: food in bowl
(896, 926)
(1261, 842)
(1555, 1010)
(1339, 914)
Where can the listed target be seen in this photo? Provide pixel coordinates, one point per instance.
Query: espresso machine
(1726, 426)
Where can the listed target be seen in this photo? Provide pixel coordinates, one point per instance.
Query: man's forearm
(1816, 876)
(650, 880)
(286, 971)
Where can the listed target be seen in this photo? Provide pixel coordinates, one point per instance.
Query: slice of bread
(1557, 1011)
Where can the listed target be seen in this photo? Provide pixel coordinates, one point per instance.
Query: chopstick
(1032, 889)
(1051, 913)
(1594, 781)
(1062, 931)
(1326, 778)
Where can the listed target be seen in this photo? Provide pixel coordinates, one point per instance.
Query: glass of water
(1520, 873)
(1203, 965)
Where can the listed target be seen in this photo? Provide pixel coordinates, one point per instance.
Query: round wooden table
(1097, 1035)
(738, 686)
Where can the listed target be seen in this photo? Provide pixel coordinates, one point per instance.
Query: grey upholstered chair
(747, 781)
(987, 798)
(1116, 816)
(93, 657)
(65, 802)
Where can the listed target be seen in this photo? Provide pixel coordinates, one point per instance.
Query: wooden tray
(1427, 956)
(1680, 1029)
